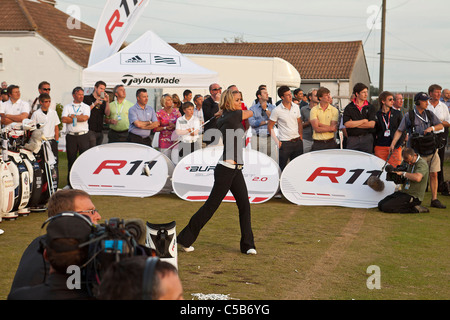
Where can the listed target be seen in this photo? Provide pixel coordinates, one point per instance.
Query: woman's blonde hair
(226, 100)
(163, 99)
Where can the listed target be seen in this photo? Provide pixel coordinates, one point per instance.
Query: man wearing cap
(76, 115)
(65, 233)
(5, 96)
(424, 122)
(32, 269)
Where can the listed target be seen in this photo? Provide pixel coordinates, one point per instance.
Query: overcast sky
(417, 46)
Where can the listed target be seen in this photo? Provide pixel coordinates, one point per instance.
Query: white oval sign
(193, 176)
(117, 169)
(334, 178)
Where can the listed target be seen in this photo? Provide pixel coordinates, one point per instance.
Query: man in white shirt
(290, 127)
(440, 109)
(15, 109)
(76, 115)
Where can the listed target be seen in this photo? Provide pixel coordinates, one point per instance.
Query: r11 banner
(334, 178)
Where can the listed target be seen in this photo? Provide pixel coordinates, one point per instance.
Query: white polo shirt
(47, 121)
(287, 120)
(441, 111)
(16, 108)
(77, 109)
(183, 124)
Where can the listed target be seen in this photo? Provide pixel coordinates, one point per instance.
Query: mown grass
(317, 253)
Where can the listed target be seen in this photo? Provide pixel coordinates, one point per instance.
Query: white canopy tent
(149, 62)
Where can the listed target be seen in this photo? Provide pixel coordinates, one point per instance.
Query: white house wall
(29, 59)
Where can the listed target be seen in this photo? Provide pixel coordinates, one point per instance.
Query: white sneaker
(188, 249)
(251, 251)
(67, 187)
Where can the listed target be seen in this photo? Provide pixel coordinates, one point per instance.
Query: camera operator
(65, 233)
(421, 125)
(413, 174)
(33, 269)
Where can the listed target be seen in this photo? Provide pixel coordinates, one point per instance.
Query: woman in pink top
(167, 118)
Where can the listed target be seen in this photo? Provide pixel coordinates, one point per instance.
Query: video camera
(391, 173)
(111, 241)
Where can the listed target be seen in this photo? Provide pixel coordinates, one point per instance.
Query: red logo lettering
(113, 22)
(331, 173)
(113, 165)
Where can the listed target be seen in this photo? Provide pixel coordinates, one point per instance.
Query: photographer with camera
(65, 233)
(412, 173)
(33, 269)
(421, 124)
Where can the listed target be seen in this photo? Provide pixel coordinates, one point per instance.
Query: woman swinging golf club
(227, 176)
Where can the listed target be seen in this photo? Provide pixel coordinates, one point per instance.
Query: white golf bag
(36, 181)
(6, 193)
(21, 179)
(6, 184)
(163, 239)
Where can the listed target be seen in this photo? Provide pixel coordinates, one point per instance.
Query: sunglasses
(91, 212)
(45, 89)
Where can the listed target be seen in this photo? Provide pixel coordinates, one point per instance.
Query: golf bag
(6, 192)
(163, 239)
(47, 163)
(6, 184)
(21, 180)
(35, 172)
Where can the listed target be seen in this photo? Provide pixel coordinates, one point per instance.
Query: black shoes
(437, 204)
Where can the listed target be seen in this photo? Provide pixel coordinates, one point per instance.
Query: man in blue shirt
(424, 122)
(445, 98)
(261, 139)
(142, 120)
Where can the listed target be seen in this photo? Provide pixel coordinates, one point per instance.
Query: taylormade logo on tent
(130, 80)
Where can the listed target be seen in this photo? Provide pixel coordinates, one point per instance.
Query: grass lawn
(317, 253)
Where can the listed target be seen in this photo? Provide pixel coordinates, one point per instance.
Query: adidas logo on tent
(135, 59)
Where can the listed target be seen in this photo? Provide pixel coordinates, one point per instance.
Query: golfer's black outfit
(227, 177)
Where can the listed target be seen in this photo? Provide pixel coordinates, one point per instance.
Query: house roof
(313, 60)
(50, 23)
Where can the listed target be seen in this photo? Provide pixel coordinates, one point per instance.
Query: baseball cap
(68, 225)
(421, 96)
(4, 91)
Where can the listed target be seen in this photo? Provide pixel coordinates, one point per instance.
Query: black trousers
(362, 143)
(225, 179)
(138, 139)
(117, 136)
(289, 151)
(75, 145)
(324, 144)
(95, 138)
(399, 202)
